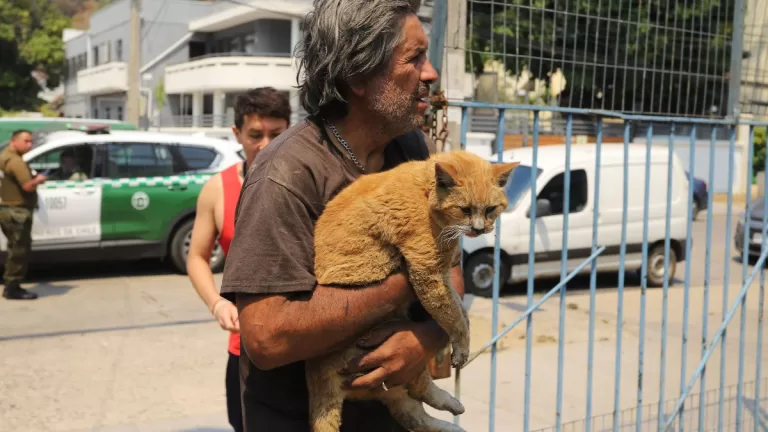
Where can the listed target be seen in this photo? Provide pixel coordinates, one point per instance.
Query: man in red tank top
(260, 115)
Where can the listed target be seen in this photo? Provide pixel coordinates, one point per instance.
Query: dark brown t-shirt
(285, 192)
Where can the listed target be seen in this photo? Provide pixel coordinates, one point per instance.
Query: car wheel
(479, 273)
(180, 249)
(695, 209)
(656, 265)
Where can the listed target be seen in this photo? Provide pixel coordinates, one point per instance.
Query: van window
(553, 192)
(518, 184)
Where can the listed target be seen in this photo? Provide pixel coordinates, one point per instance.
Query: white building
(196, 58)
(238, 48)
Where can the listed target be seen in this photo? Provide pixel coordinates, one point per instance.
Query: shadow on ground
(44, 275)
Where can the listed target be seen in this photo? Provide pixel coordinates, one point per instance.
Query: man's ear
(445, 175)
(357, 86)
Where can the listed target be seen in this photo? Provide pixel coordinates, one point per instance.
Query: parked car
(751, 219)
(137, 198)
(515, 221)
(700, 195)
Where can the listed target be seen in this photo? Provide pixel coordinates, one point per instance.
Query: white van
(515, 222)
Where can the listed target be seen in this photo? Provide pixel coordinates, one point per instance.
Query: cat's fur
(414, 212)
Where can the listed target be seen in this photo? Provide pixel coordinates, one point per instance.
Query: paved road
(130, 347)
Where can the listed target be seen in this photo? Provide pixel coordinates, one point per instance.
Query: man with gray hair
(365, 88)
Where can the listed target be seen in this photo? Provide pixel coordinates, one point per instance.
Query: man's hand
(400, 351)
(40, 178)
(226, 314)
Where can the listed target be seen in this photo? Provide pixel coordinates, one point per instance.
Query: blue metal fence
(662, 414)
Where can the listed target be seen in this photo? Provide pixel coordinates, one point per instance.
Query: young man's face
(257, 132)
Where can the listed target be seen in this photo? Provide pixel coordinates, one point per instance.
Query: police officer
(18, 192)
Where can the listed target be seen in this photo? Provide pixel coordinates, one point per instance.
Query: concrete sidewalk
(142, 354)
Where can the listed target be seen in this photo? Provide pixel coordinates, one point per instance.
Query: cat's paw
(453, 406)
(459, 355)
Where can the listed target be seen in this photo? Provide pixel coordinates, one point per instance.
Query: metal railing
(672, 408)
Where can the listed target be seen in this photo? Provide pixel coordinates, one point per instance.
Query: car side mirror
(543, 208)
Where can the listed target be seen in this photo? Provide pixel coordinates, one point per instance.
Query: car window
(73, 162)
(197, 158)
(138, 160)
(554, 192)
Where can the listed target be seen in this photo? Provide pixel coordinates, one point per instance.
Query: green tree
(625, 55)
(758, 160)
(30, 41)
(160, 94)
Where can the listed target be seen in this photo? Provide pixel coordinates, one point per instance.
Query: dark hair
(264, 102)
(18, 132)
(345, 40)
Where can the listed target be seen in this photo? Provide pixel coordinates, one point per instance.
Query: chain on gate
(439, 107)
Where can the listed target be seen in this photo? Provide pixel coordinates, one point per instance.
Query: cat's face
(469, 194)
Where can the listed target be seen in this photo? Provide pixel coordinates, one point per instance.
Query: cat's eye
(467, 211)
(490, 210)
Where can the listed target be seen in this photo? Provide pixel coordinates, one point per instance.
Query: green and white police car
(122, 195)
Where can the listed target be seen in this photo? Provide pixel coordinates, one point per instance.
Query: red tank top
(230, 182)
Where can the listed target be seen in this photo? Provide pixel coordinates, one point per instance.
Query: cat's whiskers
(451, 233)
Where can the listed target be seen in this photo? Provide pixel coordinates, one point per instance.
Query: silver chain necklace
(345, 145)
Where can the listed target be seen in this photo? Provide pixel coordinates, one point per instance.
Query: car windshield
(519, 183)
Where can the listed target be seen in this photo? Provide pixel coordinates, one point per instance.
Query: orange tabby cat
(414, 212)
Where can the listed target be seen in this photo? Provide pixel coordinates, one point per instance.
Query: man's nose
(428, 73)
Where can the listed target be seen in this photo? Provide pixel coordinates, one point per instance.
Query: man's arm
(284, 315)
(198, 259)
(279, 329)
(21, 173)
(399, 351)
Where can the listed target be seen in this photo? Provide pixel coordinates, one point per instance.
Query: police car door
(69, 203)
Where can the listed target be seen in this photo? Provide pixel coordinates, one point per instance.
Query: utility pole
(132, 108)
(737, 51)
(453, 67)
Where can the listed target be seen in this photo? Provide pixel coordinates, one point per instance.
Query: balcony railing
(107, 78)
(230, 73)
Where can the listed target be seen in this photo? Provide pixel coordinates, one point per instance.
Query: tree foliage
(30, 41)
(626, 55)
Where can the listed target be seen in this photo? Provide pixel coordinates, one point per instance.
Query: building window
(95, 113)
(119, 113)
(95, 56)
(119, 50)
(106, 111)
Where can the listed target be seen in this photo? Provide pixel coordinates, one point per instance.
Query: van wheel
(479, 273)
(180, 249)
(656, 265)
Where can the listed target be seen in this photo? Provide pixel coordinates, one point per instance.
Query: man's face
(68, 163)
(257, 132)
(400, 94)
(22, 143)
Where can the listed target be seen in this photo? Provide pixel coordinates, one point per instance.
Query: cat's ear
(445, 175)
(502, 172)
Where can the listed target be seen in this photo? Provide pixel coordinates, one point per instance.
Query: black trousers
(234, 409)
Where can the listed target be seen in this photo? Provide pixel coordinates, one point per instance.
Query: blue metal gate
(695, 402)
